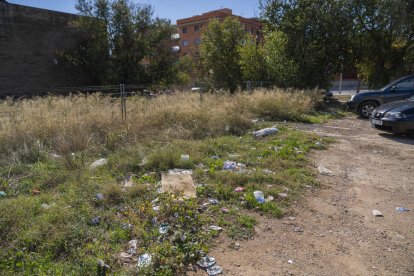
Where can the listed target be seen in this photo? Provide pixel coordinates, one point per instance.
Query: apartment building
(190, 29)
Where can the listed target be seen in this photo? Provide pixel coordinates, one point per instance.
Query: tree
(252, 61)
(317, 36)
(117, 36)
(220, 53)
(328, 37)
(384, 31)
(282, 70)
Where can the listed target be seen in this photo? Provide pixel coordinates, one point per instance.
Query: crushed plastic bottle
(401, 209)
(144, 260)
(99, 196)
(2, 194)
(215, 228)
(213, 201)
(132, 247)
(265, 132)
(206, 261)
(164, 227)
(259, 196)
(96, 221)
(214, 270)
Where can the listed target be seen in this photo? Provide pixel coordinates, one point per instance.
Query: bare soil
(373, 170)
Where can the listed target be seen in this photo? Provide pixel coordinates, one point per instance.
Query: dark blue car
(364, 103)
(396, 117)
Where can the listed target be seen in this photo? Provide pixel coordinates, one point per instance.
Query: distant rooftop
(213, 14)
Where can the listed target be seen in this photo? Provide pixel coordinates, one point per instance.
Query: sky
(171, 9)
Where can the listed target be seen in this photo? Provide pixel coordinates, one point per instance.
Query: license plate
(376, 122)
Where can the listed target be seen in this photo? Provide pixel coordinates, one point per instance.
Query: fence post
(123, 102)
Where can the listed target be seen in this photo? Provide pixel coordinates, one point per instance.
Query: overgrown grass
(47, 145)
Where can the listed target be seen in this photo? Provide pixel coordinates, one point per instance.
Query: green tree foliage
(117, 36)
(267, 61)
(282, 70)
(252, 61)
(328, 37)
(384, 32)
(220, 53)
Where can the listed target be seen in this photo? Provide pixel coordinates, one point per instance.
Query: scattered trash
(229, 165)
(298, 229)
(178, 181)
(125, 257)
(2, 194)
(180, 171)
(236, 246)
(132, 247)
(156, 208)
(224, 210)
(144, 260)
(98, 163)
(265, 132)
(269, 198)
(164, 228)
(290, 261)
(283, 195)
(215, 157)
(234, 155)
(239, 189)
(54, 156)
(325, 171)
(127, 226)
(233, 166)
(206, 261)
(267, 171)
(216, 228)
(319, 144)
(401, 209)
(99, 196)
(213, 201)
(254, 121)
(185, 157)
(291, 218)
(259, 196)
(47, 206)
(214, 270)
(102, 268)
(128, 181)
(35, 192)
(96, 221)
(377, 213)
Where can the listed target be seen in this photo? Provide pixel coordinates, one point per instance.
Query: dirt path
(340, 235)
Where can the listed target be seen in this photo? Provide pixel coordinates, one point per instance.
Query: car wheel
(365, 109)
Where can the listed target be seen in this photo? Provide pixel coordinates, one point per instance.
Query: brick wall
(29, 38)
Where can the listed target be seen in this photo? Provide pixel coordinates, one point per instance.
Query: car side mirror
(393, 88)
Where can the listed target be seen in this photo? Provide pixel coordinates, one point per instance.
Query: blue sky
(171, 9)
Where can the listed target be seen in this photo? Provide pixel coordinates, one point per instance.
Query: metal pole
(124, 102)
(340, 84)
(122, 105)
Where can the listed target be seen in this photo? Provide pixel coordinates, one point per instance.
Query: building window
(185, 42)
(197, 41)
(196, 28)
(184, 30)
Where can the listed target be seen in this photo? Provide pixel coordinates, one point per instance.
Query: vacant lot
(60, 215)
(332, 231)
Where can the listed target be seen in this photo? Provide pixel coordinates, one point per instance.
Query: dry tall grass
(76, 123)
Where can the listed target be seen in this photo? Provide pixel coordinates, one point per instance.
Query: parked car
(396, 117)
(364, 103)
